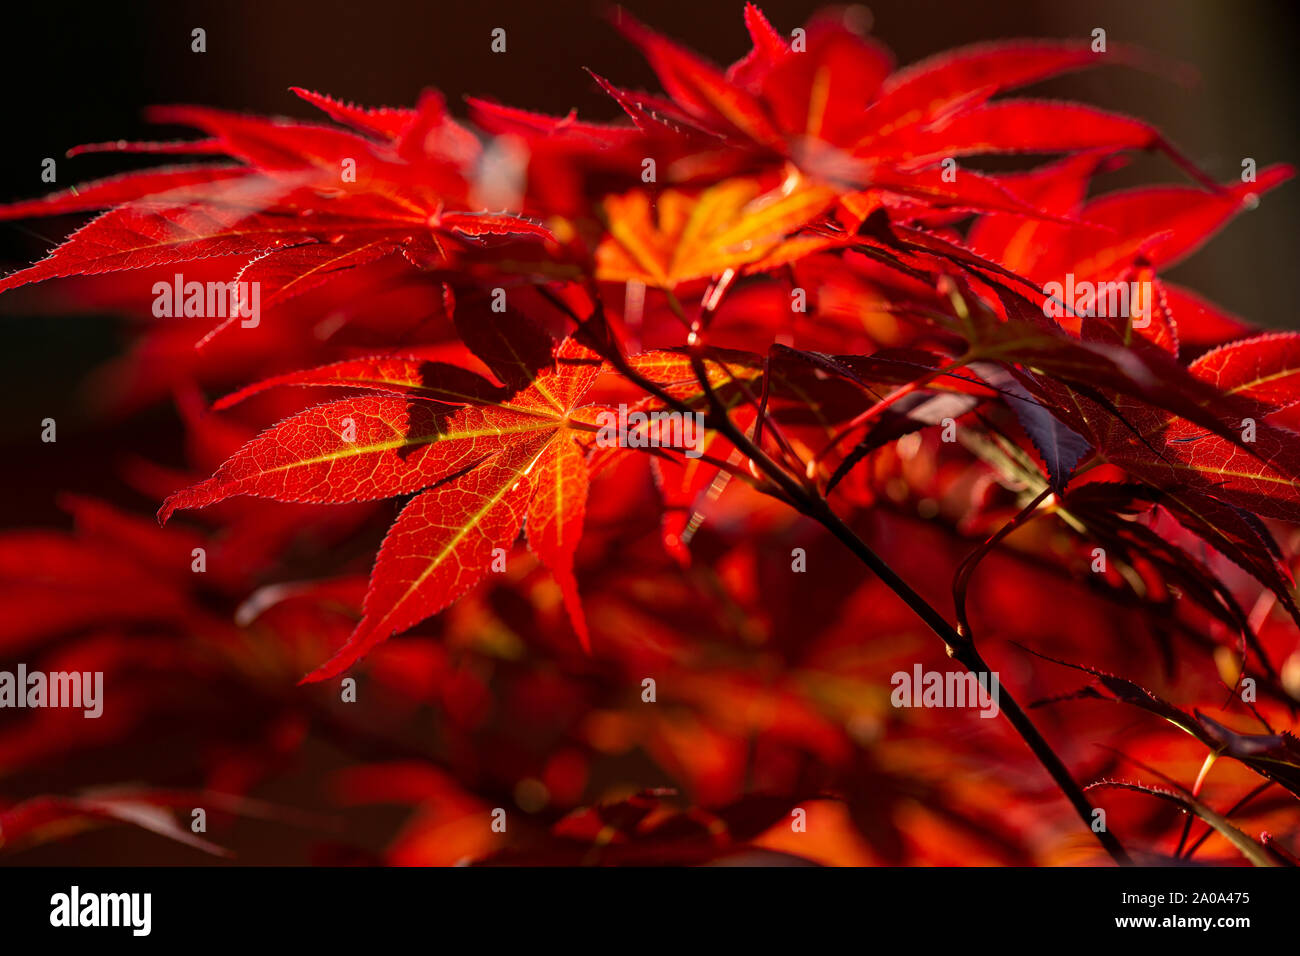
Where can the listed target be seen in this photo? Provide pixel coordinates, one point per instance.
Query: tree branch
(811, 503)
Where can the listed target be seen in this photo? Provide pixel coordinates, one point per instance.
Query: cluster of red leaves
(788, 247)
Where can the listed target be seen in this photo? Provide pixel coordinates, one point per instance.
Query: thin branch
(961, 580)
(810, 503)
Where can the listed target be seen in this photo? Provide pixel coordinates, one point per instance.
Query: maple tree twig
(813, 505)
(961, 580)
(963, 650)
(960, 647)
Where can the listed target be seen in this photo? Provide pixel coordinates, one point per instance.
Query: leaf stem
(961, 580)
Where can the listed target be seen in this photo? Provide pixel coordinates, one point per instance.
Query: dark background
(78, 73)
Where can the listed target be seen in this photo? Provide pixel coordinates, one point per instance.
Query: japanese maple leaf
(832, 104)
(308, 202)
(1229, 450)
(733, 225)
(1142, 232)
(483, 467)
(1261, 473)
